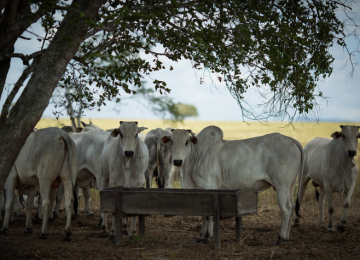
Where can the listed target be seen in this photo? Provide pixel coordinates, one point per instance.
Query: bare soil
(174, 237)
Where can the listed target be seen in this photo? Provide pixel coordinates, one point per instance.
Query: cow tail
(301, 168)
(73, 167)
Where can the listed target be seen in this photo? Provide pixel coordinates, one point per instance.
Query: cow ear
(193, 139)
(140, 129)
(136, 122)
(336, 135)
(165, 139)
(78, 129)
(115, 132)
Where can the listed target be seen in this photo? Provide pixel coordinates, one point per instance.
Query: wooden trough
(221, 204)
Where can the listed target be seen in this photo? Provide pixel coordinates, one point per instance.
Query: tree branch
(14, 91)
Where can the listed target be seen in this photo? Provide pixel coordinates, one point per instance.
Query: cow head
(349, 136)
(181, 144)
(128, 134)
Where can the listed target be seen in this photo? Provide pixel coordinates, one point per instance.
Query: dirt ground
(174, 237)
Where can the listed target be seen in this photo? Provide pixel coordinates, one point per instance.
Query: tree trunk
(36, 95)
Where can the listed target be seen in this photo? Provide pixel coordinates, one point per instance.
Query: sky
(213, 101)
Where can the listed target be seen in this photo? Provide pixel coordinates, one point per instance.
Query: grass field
(303, 132)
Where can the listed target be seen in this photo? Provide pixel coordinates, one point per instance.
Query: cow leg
(132, 227)
(103, 183)
(291, 212)
(76, 188)
(28, 208)
(9, 202)
(302, 186)
(45, 188)
(53, 193)
(203, 230)
(285, 211)
(331, 207)
(86, 193)
(39, 213)
(346, 205)
(209, 231)
(321, 203)
(59, 197)
(68, 203)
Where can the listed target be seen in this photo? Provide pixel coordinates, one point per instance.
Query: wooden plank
(247, 202)
(216, 209)
(238, 228)
(142, 225)
(107, 201)
(143, 203)
(118, 222)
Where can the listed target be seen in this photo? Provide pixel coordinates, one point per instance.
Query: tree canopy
(283, 45)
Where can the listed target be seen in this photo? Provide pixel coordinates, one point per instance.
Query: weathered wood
(118, 234)
(238, 227)
(142, 225)
(184, 202)
(216, 210)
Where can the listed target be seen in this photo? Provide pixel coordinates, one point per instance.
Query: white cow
(89, 146)
(331, 166)
(47, 157)
(123, 163)
(86, 172)
(159, 159)
(209, 162)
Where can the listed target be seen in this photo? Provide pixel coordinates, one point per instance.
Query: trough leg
(216, 221)
(238, 229)
(142, 225)
(118, 233)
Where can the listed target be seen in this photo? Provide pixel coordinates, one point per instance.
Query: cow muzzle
(352, 153)
(129, 153)
(177, 162)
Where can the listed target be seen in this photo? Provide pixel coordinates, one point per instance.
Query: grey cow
(159, 159)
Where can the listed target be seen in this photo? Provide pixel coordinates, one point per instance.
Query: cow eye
(187, 141)
(136, 135)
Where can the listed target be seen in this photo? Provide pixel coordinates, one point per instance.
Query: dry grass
(303, 132)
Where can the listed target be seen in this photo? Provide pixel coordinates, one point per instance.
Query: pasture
(174, 237)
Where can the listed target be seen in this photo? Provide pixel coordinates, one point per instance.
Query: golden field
(303, 132)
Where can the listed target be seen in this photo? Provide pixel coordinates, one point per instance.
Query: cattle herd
(55, 163)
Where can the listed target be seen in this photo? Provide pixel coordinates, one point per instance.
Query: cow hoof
(280, 241)
(11, 222)
(67, 237)
(43, 236)
(28, 231)
(331, 230)
(125, 232)
(341, 229)
(3, 231)
(206, 241)
(111, 236)
(55, 215)
(90, 214)
(199, 240)
(103, 228)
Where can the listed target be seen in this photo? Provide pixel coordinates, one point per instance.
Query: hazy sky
(213, 101)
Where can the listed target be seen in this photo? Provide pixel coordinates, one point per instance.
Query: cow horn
(121, 122)
(341, 126)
